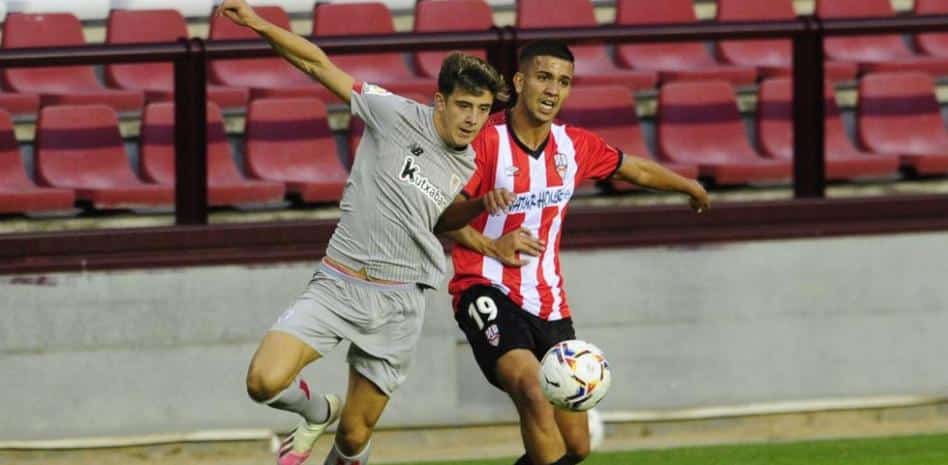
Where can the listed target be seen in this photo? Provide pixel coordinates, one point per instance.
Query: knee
(353, 435)
(576, 453)
(527, 393)
(263, 385)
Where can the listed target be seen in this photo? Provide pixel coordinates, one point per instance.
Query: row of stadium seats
(636, 66)
(79, 154)
(93, 10)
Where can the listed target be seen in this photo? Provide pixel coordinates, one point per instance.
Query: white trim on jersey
(493, 269)
(564, 145)
(533, 220)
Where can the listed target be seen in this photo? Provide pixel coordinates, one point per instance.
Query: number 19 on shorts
(483, 311)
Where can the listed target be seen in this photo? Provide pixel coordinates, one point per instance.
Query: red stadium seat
(18, 193)
(898, 114)
(698, 123)
(289, 141)
(385, 69)
(62, 84)
(19, 104)
(876, 52)
(932, 44)
(772, 57)
(609, 111)
(843, 160)
(265, 77)
(674, 61)
(357, 127)
(79, 147)
(449, 15)
(593, 65)
(225, 185)
(156, 79)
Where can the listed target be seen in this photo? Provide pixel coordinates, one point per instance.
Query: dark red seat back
(157, 152)
(770, 52)
(252, 72)
(668, 55)
(80, 146)
(934, 43)
(898, 113)
(774, 120)
(535, 14)
(289, 139)
(698, 122)
(46, 30)
(861, 48)
(337, 19)
(141, 26)
(610, 112)
(449, 15)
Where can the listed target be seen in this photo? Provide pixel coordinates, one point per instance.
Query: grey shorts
(382, 321)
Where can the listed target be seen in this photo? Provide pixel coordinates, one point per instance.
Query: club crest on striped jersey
(560, 162)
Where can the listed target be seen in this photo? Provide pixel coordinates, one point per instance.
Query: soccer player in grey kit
(369, 288)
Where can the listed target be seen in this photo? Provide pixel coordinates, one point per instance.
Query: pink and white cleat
(296, 448)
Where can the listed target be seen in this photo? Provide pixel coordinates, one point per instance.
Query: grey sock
(298, 398)
(338, 458)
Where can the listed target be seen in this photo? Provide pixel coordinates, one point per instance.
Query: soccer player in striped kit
(383, 255)
(511, 315)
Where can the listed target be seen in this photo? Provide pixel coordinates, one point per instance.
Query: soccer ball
(574, 375)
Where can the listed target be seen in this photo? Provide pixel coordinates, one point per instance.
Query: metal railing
(190, 58)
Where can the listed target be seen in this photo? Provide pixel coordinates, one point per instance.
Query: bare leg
(574, 426)
(277, 362)
(364, 405)
(517, 372)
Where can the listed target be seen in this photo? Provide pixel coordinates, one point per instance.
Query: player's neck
(528, 130)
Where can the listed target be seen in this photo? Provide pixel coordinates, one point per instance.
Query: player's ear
(518, 79)
(440, 101)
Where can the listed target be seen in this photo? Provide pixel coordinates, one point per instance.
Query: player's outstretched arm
(462, 211)
(299, 51)
(505, 249)
(649, 174)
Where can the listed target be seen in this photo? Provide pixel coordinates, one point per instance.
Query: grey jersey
(403, 178)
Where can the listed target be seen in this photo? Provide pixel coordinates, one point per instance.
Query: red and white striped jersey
(544, 182)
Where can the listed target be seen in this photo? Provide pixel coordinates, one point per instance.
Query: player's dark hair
(544, 48)
(472, 74)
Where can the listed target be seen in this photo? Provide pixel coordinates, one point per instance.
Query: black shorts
(495, 325)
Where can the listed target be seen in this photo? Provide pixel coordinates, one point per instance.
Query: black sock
(573, 459)
(523, 460)
(564, 460)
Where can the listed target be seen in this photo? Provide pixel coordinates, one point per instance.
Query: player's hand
(498, 200)
(510, 245)
(239, 12)
(700, 202)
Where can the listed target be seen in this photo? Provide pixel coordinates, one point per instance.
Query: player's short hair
(472, 74)
(544, 48)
